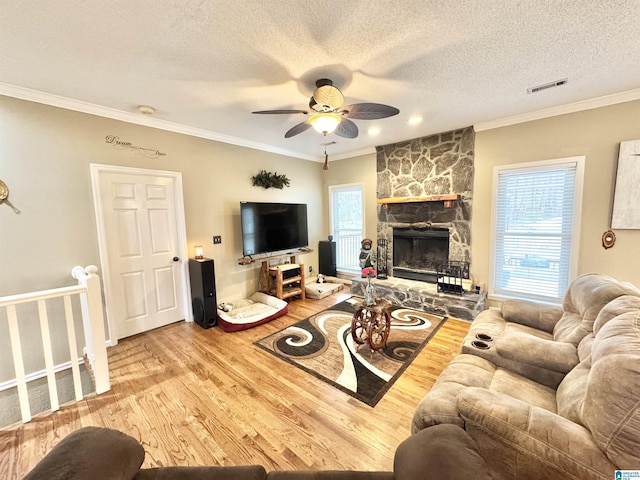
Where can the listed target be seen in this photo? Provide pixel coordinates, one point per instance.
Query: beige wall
(595, 134)
(45, 154)
(360, 169)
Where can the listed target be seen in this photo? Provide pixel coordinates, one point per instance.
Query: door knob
(175, 259)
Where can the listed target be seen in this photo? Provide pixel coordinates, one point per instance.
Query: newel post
(93, 320)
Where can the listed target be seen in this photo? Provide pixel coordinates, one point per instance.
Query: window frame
(579, 162)
(346, 187)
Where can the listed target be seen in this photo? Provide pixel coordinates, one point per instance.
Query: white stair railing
(89, 291)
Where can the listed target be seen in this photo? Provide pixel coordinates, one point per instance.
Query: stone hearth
(423, 296)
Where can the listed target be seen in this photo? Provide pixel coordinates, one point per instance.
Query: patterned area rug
(323, 346)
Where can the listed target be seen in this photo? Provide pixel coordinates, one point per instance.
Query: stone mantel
(424, 225)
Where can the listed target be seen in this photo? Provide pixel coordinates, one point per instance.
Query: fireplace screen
(418, 253)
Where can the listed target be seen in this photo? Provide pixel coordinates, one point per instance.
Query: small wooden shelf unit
(280, 281)
(290, 286)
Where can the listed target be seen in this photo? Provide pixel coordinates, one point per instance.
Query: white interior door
(144, 275)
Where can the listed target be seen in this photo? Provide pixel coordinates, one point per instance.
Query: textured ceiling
(208, 64)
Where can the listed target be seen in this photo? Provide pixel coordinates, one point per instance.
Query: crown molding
(604, 101)
(355, 153)
(30, 95)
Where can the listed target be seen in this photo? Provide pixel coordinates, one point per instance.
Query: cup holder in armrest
(483, 337)
(480, 345)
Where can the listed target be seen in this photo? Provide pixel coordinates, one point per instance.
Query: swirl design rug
(322, 346)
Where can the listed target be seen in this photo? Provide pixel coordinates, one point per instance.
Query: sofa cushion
(444, 451)
(584, 299)
(518, 440)
(439, 406)
(91, 453)
(534, 315)
(623, 304)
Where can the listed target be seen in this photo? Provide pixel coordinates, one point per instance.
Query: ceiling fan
(327, 115)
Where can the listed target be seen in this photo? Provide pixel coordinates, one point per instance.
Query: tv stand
(275, 282)
(286, 281)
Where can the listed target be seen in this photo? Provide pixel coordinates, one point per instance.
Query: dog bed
(259, 308)
(317, 290)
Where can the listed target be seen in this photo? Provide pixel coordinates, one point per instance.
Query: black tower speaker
(327, 258)
(203, 292)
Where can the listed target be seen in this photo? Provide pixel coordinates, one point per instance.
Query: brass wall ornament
(608, 239)
(4, 196)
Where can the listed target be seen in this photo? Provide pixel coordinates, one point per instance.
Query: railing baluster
(89, 293)
(18, 363)
(73, 348)
(48, 355)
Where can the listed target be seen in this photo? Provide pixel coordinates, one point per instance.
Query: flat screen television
(273, 227)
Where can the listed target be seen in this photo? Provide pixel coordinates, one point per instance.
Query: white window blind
(534, 219)
(347, 225)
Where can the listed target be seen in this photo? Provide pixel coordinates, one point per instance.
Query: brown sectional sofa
(556, 395)
(91, 453)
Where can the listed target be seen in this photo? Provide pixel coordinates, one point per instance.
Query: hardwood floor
(205, 397)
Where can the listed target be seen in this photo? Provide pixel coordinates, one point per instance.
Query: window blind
(534, 218)
(347, 225)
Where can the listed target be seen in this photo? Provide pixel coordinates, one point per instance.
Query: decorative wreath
(266, 179)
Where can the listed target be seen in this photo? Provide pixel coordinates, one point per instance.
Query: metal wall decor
(4, 196)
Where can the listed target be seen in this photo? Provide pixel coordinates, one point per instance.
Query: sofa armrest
(91, 453)
(439, 452)
(536, 435)
(536, 315)
(551, 355)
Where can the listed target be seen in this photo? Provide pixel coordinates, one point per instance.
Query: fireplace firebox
(418, 253)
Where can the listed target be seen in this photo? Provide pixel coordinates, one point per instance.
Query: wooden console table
(371, 324)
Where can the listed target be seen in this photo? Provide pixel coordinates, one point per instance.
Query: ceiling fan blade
(369, 111)
(347, 129)
(299, 128)
(281, 111)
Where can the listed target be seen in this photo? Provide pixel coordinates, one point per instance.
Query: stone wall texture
(439, 164)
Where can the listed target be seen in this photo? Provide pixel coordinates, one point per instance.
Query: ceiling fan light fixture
(325, 122)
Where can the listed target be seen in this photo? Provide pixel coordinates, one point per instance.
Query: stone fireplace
(424, 213)
(425, 186)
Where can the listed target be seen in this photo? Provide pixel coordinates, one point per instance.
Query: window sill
(494, 297)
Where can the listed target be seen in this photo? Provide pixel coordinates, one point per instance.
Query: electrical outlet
(217, 239)
(310, 269)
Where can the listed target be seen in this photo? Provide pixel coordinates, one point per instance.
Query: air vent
(557, 83)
